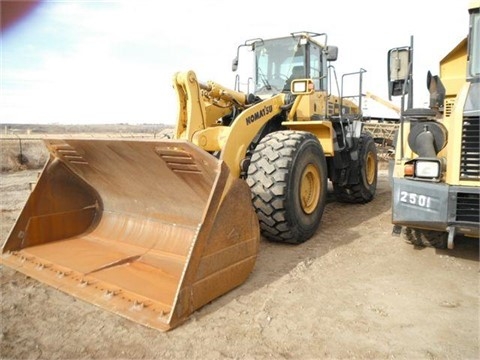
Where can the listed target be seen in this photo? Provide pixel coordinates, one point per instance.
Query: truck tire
(364, 190)
(288, 179)
(426, 238)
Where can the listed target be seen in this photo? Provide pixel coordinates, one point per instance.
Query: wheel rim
(370, 168)
(310, 189)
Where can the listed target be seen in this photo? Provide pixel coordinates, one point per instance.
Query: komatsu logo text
(259, 114)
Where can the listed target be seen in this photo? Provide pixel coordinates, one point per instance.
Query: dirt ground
(353, 291)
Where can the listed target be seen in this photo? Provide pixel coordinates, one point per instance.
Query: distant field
(22, 146)
(39, 129)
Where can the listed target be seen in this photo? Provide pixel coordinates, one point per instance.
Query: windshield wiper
(264, 79)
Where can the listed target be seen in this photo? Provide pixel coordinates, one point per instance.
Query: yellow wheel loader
(436, 171)
(153, 230)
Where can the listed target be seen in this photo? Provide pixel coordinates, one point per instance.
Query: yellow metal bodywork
(453, 124)
(202, 105)
(314, 113)
(153, 230)
(452, 73)
(322, 106)
(323, 130)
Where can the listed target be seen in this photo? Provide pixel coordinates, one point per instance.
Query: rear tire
(426, 238)
(365, 189)
(288, 179)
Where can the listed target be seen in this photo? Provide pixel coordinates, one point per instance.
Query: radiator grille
(468, 207)
(470, 155)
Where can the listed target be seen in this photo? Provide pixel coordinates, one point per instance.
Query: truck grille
(470, 156)
(468, 207)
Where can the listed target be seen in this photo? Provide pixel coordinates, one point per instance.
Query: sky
(109, 62)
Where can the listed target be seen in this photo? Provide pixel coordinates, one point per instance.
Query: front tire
(288, 179)
(426, 238)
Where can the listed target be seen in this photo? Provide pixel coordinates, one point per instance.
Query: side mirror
(399, 70)
(332, 53)
(235, 64)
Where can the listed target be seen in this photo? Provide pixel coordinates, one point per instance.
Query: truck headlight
(429, 169)
(299, 87)
(302, 87)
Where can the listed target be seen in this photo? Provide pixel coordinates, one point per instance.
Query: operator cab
(279, 61)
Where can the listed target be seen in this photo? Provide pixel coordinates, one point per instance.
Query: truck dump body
(146, 229)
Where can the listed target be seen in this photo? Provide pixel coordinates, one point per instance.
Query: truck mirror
(332, 53)
(235, 64)
(398, 70)
(398, 64)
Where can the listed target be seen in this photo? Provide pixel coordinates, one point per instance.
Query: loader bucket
(150, 230)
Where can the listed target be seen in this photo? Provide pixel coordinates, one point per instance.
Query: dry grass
(22, 146)
(27, 154)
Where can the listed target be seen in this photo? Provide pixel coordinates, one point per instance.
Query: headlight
(302, 87)
(299, 87)
(427, 169)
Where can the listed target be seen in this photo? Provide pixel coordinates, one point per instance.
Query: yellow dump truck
(154, 229)
(436, 173)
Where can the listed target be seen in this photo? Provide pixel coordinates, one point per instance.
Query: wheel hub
(310, 189)
(370, 168)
